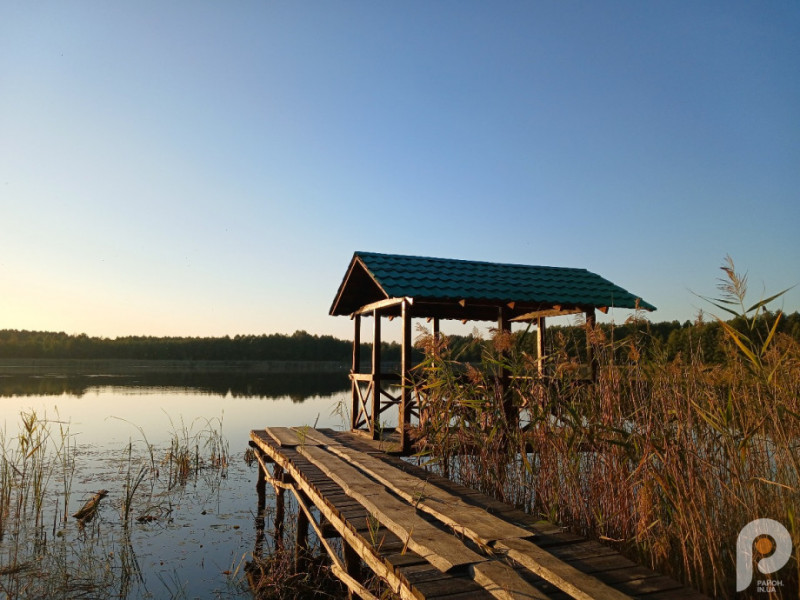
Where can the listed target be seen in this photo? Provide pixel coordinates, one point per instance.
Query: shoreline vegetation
(665, 458)
(302, 351)
(690, 431)
(49, 550)
(134, 366)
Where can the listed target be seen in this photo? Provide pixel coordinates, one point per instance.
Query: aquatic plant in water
(86, 554)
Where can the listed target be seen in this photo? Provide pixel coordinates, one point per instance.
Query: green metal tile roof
(447, 279)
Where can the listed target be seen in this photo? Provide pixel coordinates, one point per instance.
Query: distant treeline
(300, 345)
(668, 337)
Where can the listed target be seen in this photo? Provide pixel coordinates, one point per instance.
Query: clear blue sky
(208, 168)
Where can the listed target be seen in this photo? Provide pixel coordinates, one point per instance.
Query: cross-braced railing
(367, 407)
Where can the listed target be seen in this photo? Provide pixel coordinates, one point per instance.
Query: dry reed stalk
(661, 458)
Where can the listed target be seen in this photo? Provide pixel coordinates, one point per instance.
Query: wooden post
(301, 538)
(504, 325)
(352, 564)
(422, 400)
(540, 347)
(355, 407)
(374, 418)
(280, 506)
(261, 491)
(406, 393)
(591, 322)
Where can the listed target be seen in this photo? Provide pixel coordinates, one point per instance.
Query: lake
(189, 533)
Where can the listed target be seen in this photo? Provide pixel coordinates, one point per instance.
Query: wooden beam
(280, 506)
(591, 321)
(356, 364)
(504, 325)
(301, 554)
(436, 546)
(547, 312)
(564, 576)
(343, 572)
(503, 582)
(406, 393)
(540, 344)
(381, 304)
(376, 377)
(384, 569)
(355, 368)
(289, 437)
(465, 519)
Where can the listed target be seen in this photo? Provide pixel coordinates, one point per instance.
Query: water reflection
(116, 423)
(297, 386)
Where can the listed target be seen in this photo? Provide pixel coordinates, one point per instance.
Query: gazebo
(391, 285)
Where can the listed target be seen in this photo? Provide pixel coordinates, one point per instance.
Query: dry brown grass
(667, 460)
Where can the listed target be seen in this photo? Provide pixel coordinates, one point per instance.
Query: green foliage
(300, 346)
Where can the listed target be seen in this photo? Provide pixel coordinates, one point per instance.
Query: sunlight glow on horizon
(209, 170)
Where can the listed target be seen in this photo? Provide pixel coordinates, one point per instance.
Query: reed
(184, 458)
(87, 556)
(665, 460)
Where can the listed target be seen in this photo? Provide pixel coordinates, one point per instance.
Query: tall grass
(80, 558)
(667, 460)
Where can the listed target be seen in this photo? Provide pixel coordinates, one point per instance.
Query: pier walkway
(427, 537)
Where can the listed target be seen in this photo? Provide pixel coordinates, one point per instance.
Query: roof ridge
(467, 261)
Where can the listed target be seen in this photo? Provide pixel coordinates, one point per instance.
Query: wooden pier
(427, 537)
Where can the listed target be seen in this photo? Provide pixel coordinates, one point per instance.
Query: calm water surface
(204, 530)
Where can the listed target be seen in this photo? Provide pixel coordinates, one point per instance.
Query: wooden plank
(650, 585)
(556, 550)
(466, 519)
(337, 567)
(581, 550)
(565, 577)
(381, 304)
(436, 546)
(384, 570)
(608, 563)
(684, 594)
(450, 590)
(501, 581)
(290, 437)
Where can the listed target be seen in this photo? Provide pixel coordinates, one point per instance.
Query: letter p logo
(780, 546)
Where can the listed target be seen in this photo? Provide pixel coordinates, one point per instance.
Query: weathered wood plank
(443, 587)
(436, 546)
(365, 551)
(466, 519)
(565, 577)
(650, 585)
(501, 581)
(354, 490)
(290, 437)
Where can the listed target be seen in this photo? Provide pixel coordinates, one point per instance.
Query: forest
(668, 338)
